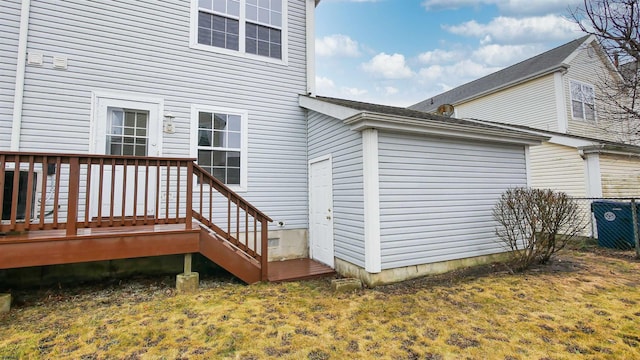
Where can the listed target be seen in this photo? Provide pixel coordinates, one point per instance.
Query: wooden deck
(52, 247)
(70, 208)
(298, 269)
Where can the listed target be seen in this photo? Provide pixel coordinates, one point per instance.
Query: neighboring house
(127, 94)
(556, 92)
(398, 193)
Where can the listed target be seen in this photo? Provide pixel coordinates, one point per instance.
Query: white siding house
(377, 192)
(167, 65)
(556, 94)
(412, 192)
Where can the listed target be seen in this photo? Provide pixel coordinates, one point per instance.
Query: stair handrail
(199, 173)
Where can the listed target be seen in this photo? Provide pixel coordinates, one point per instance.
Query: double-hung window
(582, 101)
(220, 137)
(246, 26)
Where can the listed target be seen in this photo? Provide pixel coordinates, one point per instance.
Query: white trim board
(371, 180)
(124, 99)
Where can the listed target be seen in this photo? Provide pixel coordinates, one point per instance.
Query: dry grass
(585, 305)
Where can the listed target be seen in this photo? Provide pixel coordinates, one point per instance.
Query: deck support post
(188, 281)
(187, 264)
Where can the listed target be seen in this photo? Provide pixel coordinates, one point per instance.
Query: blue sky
(399, 52)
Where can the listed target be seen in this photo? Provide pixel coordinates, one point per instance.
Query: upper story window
(246, 26)
(582, 101)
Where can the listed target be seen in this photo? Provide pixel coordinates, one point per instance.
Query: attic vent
(445, 110)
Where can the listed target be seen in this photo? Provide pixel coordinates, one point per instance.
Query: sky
(400, 52)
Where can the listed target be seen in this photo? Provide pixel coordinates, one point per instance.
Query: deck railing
(43, 191)
(230, 216)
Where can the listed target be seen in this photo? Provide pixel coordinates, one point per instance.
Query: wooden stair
(229, 257)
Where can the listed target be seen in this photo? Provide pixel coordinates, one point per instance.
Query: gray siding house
(377, 192)
(182, 68)
(412, 193)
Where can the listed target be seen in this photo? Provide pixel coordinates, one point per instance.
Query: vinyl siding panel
(620, 176)
(328, 135)
(588, 67)
(559, 168)
(142, 48)
(9, 30)
(530, 104)
(437, 196)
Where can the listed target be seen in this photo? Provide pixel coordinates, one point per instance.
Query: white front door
(129, 128)
(321, 210)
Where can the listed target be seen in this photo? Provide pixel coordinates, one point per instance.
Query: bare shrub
(534, 224)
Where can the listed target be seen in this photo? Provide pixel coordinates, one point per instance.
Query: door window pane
(127, 132)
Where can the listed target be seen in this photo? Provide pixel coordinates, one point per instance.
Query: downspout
(18, 94)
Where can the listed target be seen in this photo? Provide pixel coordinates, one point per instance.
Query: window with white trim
(582, 101)
(220, 137)
(247, 26)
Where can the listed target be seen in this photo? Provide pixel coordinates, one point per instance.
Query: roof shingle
(538, 64)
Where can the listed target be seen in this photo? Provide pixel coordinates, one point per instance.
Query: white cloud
(439, 56)
(449, 4)
(388, 66)
(455, 74)
(390, 90)
(513, 7)
(524, 31)
(324, 85)
(337, 45)
(504, 55)
(349, 91)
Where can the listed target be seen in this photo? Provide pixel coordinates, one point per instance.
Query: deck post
(188, 281)
(74, 190)
(264, 250)
(189, 214)
(187, 264)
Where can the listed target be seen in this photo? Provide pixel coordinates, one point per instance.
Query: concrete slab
(346, 285)
(5, 303)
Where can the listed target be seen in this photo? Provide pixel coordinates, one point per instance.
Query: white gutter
(18, 94)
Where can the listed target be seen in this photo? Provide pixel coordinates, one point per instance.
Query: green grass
(584, 305)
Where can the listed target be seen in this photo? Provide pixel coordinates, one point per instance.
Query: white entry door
(129, 128)
(321, 211)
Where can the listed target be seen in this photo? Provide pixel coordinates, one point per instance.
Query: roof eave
(369, 120)
(610, 149)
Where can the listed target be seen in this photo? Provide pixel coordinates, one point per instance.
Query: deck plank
(298, 269)
(53, 235)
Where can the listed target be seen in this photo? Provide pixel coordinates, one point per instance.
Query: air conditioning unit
(23, 184)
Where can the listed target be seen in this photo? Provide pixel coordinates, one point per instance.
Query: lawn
(583, 305)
